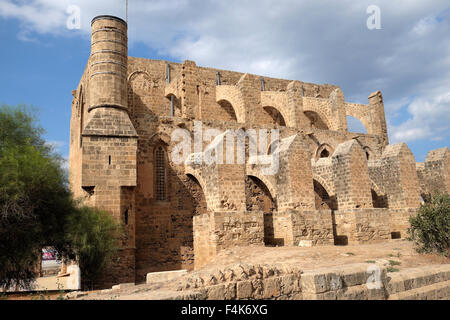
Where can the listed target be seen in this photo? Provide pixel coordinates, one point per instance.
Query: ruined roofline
(237, 72)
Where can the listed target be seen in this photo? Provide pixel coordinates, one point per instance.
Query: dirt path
(324, 256)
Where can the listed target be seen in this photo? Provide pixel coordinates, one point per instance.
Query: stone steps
(436, 291)
(430, 282)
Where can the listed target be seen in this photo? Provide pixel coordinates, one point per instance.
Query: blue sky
(323, 41)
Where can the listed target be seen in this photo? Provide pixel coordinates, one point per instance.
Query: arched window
(160, 174)
(368, 152)
(325, 153)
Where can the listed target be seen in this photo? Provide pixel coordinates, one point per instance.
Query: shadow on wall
(379, 201)
(258, 198)
(164, 219)
(322, 198)
(316, 121)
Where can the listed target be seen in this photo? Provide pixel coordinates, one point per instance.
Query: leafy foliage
(93, 235)
(430, 228)
(36, 207)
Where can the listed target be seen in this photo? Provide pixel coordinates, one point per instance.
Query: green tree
(93, 235)
(36, 207)
(430, 228)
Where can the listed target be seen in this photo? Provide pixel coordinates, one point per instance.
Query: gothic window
(325, 153)
(160, 166)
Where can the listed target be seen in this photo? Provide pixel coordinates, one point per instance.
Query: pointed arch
(379, 198)
(228, 108)
(369, 153)
(267, 183)
(176, 104)
(317, 120)
(198, 195)
(323, 199)
(324, 151)
(276, 115)
(256, 183)
(233, 96)
(135, 89)
(258, 197)
(136, 73)
(328, 187)
(356, 125)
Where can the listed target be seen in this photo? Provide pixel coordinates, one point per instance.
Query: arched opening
(355, 125)
(160, 160)
(197, 199)
(322, 198)
(275, 115)
(230, 114)
(316, 121)
(258, 198)
(175, 105)
(324, 151)
(378, 201)
(368, 152)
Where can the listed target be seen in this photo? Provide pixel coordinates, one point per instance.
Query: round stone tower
(108, 63)
(109, 140)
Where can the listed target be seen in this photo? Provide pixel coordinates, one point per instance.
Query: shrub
(430, 228)
(93, 235)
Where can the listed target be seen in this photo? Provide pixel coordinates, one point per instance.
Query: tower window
(325, 153)
(160, 166)
(125, 217)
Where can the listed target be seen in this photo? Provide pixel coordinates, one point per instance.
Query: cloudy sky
(321, 41)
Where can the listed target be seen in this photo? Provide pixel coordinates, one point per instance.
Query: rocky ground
(396, 255)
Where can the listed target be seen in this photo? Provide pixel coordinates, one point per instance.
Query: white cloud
(425, 26)
(316, 41)
(56, 145)
(430, 120)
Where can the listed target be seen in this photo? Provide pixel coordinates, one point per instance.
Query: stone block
(154, 277)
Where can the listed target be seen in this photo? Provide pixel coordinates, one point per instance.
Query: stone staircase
(424, 283)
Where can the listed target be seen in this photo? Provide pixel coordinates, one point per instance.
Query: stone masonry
(331, 187)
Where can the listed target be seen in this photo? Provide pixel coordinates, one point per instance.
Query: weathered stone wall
(395, 176)
(399, 221)
(351, 176)
(358, 226)
(311, 227)
(435, 172)
(217, 231)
